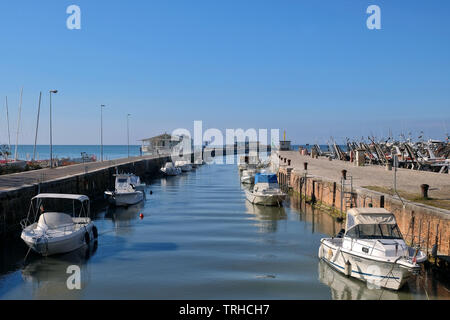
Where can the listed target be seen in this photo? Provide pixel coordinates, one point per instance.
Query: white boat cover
(53, 220)
(78, 197)
(358, 216)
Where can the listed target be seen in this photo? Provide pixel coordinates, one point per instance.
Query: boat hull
(58, 245)
(383, 274)
(125, 199)
(266, 200)
(171, 172)
(186, 167)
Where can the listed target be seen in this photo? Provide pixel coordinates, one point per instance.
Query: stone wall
(418, 223)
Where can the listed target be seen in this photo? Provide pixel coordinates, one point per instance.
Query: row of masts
(18, 125)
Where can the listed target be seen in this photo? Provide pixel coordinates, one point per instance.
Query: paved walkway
(17, 180)
(407, 180)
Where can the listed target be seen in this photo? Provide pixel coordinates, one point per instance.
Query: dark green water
(199, 239)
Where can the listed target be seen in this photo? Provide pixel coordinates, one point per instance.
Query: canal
(199, 239)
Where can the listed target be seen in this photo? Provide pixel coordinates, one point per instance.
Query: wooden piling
(334, 194)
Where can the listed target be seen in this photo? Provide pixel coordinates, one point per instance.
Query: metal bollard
(344, 174)
(424, 188)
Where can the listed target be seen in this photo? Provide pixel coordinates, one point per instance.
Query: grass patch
(438, 203)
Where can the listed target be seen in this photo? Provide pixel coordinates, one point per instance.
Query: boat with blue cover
(266, 190)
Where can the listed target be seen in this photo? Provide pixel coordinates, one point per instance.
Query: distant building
(285, 145)
(162, 144)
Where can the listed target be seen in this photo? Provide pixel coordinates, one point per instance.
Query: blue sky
(311, 68)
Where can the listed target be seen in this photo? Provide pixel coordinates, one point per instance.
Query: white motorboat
(125, 193)
(248, 176)
(266, 191)
(372, 249)
(54, 232)
(170, 170)
(184, 165)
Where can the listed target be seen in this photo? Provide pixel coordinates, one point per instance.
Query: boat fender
(87, 239)
(95, 232)
(151, 192)
(348, 268)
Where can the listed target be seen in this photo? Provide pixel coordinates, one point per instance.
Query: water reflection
(123, 217)
(344, 288)
(267, 216)
(321, 221)
(48, 276)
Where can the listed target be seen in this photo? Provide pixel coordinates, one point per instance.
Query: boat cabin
(371, 223)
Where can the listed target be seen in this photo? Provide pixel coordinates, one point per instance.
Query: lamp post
(128, 134)
(51, 137)
(101, 130)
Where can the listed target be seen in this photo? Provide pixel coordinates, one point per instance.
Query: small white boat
(53, 232)
(170, 170)
(184, 165)
(248, 176)
(266, 191)
(372, 249)
(125, 193)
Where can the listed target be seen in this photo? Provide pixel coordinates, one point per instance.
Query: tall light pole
(51, 135)
(101, 130)
(128, 134)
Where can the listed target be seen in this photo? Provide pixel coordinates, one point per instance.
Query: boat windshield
(375, 231)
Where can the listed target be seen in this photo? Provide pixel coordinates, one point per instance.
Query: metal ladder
(346, 194)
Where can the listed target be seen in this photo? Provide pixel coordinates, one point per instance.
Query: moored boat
(184, 165)
(266, 191)
(55, 232)
(125, 193)
(170, 170)
(372, 249)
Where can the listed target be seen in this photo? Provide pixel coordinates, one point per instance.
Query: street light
(128, 134)
(101, 130)
(51, 137)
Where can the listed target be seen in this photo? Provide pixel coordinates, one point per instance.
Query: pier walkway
(18, 180)
(371, 175)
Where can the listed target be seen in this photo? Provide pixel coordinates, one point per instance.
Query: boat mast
(7, 120)
(37, 126)
(18, 124)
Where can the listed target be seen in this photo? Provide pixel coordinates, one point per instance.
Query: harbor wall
(419, 224)
(14, 204)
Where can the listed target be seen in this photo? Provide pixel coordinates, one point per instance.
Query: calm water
(199, 239)
(25, 152)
